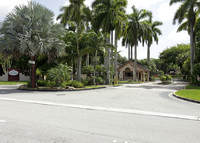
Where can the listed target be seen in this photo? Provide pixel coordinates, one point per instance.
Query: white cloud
(6, 6)
(166, 12)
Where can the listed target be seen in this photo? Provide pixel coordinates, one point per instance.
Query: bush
(152, 78)
(168, 77)
(77, 84)
(59, 74)
(129, 81)
(41, 82)
(163, 78)
(51, 84)
(85, 82)
(99, 80)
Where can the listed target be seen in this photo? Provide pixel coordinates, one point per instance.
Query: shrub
(59, 74)
(163, 78)
(168, 77)
(77, 84)
(51, 84)
(99, 80)
(85, 82)
(129, 81)
(152, 78)
(41, 82)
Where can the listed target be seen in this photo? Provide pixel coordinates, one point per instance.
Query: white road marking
(107, 109)
(2, 121)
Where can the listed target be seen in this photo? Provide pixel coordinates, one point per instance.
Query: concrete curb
(186, 99)
(30, 89)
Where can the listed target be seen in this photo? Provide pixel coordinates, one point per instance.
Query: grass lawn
(193, 94)
(12, 82)
(94, 86)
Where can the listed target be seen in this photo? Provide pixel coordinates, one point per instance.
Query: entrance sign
(13, 72)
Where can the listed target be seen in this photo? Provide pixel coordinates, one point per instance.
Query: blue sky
(161, 12)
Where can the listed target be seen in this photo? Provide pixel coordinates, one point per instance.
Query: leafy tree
(187, 10)
(30, 30)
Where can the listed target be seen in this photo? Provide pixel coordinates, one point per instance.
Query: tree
(135, 30)
(187, 10)
(74, 12)
(120, 23)
(105, 14)
(30, 30)
(151, 34)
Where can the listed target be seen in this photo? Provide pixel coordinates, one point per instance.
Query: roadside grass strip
(191, 94)
(107, 109)
(12, 82)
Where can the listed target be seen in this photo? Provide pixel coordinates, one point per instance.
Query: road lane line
(107, 109)
(2, 121)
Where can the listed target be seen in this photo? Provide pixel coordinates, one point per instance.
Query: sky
(160, 9)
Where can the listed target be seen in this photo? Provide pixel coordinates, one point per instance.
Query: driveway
(134, 113)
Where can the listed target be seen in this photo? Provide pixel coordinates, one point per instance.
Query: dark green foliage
(77, 84)
(163, 78)
(42, 83)
(59, 74)
(51, 84)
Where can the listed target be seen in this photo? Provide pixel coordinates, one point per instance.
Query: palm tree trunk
(131, 53)
(148, 53)
(108, 63)
(128, 51)
(88, 60)
(192, 52)
(111, 54)
(135, 65)
(33, 73)
(95, 62)
(115, 63)
(79, 68)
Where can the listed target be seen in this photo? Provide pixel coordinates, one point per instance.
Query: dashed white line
(107, 109)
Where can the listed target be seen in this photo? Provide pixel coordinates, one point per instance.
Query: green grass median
(193, 94)
(12, 82)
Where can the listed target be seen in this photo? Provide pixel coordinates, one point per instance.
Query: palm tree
(151, 34)
(120, 23)
(77, 40)
(30, 30)
(135, 30)
(105, 15)
(187, 10)
(74, 13)
(97, 43)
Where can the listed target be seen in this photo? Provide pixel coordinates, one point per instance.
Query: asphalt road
(141, 113)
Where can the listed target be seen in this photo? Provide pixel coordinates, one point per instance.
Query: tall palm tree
(97, 43)
(105, 15)
(74, 12)
(135, 30)
(30, 30)
(187, 10)
(77, 39)
(120, 23)
(151, 34)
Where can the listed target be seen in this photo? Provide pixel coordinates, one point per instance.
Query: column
(141, 76)
(144, 76)
(147, 76)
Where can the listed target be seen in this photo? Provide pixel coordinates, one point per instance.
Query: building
(126, 70)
